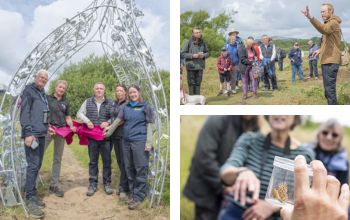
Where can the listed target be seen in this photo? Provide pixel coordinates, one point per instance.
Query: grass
(81, 154)
(190, 127)
(309, 92)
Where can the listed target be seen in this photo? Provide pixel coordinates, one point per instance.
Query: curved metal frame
(112, 23)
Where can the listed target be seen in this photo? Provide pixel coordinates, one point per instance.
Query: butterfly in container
(281, 192)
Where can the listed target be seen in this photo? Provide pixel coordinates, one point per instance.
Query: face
(120, 93)
(197, 33)
(281, 122)
(296, 45)
(329, 139)
(325, 12)
(41, 80)
(134, 95)
(310, 43)
(99, 90)
(232, 38)
(224, 53)
(265, 40)
(60, 89)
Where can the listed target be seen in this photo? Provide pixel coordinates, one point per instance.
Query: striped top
(248, 152)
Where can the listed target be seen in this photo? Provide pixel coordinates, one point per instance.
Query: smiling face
(99, 90)
(134, 94)
(40, 79)
(330, 138)
(60, 89)
(120, 93)
(281, 122)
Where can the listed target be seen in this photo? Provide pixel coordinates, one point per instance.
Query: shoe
(309, 77)
(316, 78)
(228, 93)
(234, 91)
(236, 88)
(244, 97)
(38, 202)
(108, 189)
(123, 196)
(266, 89)
(134, 204)
(220, 93)
(91, 190)
(33, 210)
(255, 95)
(56, 190)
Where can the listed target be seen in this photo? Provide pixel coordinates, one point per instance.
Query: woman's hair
(297, 121)
(248, 42)
(330, 124)
(137, 88)
(251, 124)
(61, 82)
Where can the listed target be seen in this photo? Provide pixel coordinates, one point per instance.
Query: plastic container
(281, 187)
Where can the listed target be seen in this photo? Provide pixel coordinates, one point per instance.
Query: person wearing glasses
(328, 149)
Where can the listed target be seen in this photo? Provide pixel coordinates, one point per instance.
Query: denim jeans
(118, 150)
(95, 149)
(136, 166)
(34, 159)
(329, 74)
(313, 68)
(299, 68)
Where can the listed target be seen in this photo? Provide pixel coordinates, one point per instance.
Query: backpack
(283, 54)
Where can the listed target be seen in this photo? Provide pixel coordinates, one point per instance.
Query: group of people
(125, 124)
(251, 61)
(233, 161)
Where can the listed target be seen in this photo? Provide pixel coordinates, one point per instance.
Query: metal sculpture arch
(112, 23)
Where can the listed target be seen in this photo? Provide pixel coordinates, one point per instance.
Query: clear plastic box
(281, 187)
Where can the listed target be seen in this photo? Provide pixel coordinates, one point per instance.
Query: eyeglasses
(334, 135)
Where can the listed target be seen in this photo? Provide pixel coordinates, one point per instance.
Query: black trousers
(118, 150)
(95, 149)
(194, 80)
(329, 74)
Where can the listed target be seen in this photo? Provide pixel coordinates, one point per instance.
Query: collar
(102, 101)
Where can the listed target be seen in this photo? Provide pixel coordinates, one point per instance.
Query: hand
(315, 53)
(246, 181)
(105, 130)
(51, 131)
(195, 56)
(73, 128)
(201, 56)
(260, 210)
(104, 124)
(90, 125)
(306, 12)
(28, 141)
(148, 149)
(322, 200)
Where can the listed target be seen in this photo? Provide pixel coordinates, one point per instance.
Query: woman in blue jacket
(137, 119)
(296, 58)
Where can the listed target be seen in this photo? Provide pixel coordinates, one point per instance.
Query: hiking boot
(316, 78)
(134, 204)
(108, 189)
(309, 77)
(56, 190)
(236, 88)
(220, 93)
(33, 210)
(91, 190)
(123, 196)
(228, 93)
(234, 91)
(38, 202)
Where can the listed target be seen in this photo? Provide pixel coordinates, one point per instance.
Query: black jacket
(33, 104)
(214, 145)
(243, 60)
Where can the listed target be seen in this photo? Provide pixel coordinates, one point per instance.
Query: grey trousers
(58, 145)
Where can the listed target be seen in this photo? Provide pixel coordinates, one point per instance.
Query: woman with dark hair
(214, 144)
(248, 169)
(138, 120)
(116, 139)
(329, 150)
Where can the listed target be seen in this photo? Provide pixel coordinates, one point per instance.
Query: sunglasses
(334, 135)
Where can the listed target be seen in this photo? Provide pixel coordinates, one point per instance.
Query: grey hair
(41, 72)
(61, 82)
(331, 124)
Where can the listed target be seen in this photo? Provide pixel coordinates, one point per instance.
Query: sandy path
(76, 205)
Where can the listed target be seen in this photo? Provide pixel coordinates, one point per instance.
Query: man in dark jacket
(34, 119)
(195, 52)
(96, 111)
(296, 58)
(214, 145)
(281, 54)
(313, 60)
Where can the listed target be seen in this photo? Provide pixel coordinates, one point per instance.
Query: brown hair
(137, 88)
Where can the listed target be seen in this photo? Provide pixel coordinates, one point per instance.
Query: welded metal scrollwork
(112, 24)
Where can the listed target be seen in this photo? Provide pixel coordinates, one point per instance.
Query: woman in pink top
(247, 56)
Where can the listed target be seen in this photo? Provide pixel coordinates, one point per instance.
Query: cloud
(273, 17)
(18, 35)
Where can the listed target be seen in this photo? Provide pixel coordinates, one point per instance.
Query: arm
(326, 28)
(110, 129)
(243, 57)
(82, 115)
(273, 53)
(219, 65)
(26, 104)
(149, 140)
(261, 55)
(185, 51)
(205, 51)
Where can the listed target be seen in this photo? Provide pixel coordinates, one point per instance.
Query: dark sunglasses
(334, 135)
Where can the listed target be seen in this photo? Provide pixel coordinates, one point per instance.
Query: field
(190, 127)
(308, 92)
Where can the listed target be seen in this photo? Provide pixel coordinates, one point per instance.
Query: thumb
(286, 212)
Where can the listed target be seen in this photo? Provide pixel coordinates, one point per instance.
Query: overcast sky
(24, 23)
(281, 18)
